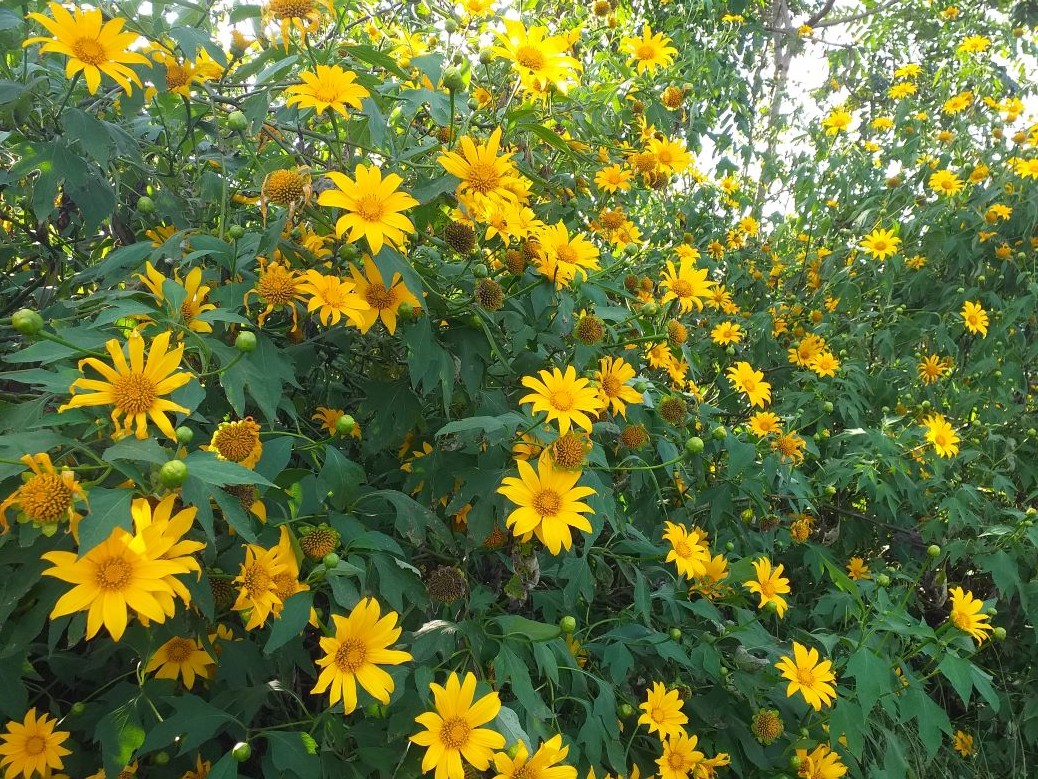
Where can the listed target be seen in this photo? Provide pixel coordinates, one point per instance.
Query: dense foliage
(518, 389)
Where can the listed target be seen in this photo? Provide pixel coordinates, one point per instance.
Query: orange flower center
(561, 400)
(35, 745)
(276, 286)
(379, 297)
(291, 9)
(658, 714)
(370, 208)
(90, 51)
(256, 579)
(235, 441)
(547, 502)
(806, 677)
(611, 386)
(177, 76)
(530, 57)
(134, 393)
(683, 549)
(351, 655)
(113, 574)
(645, 51)
(178, 650)
(483, 177)
(567, 253)
(455, 733)
(681, 288)
(45, 498)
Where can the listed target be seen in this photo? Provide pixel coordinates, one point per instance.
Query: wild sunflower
(136, 388)
(686, 284)
(837, 121)
(32, 747)
(963, 743)
(543, 764)
(238, 442)
(688, 549)
(548, 503)
(303, 15)
(561, 257)
(181, 658)
(751, 383)
(613, 390)
(671, 156)
(327, 86)
(486, 177)
(661, 712)
(975, 318)
(383, 302)
(541, 60)
(790, 447)
(258, 594)
(373, 206)
(46, 497)
(770, 585)
(857, 569)
(727, 333)
(764, 423)
(193, 300)
(880, 244)
(807, 674)
(276, 285)
(333, 298)
(966, 614)
(824, 363)
(563, 397)
(93, 45)
(453, 731)
(820, 763)
(680, 757)
(945, 182)
(650, 51)
(809, 347)
(353, 655)
(162, 531)
(942, 435)
(613, 178)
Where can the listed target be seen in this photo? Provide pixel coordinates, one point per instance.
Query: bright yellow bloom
(975, 318)
(688, 549)
(811, 677)
(686, 284)
(680, 757)
(93, 45)
(1025, 168)
(193, 303)
(649, 51)
(181, 658)
(966, 614)
(32, 747)
(661, 712)
(857, 569)
(824, 363)
(880, 244)
(727, 333)
(902, 89)
(276, 285)
(770, 585)
(373, 206)
(46, 497)
(671, 156)
(910, 70)
(764, 423)
(613, 178)
(932, 368)
(303, 15)
(751, 383)
(453, 730)
(958, 103)
(327, 86)
(383, 302)
(333, 298)
(944, 182)
(820, 763)
(963, 743)
(486, 177)
(974, 44)
(837, 121)
(613, 390)
(259, 576)
(543, 764)
(541, 60)
(135, 389)
(561, 257)
(353, 655)
(810, 346)
(790, 447)
(549, 503)
(563, 397)
(238, 442)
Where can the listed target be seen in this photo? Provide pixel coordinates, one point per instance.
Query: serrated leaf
(109, 509)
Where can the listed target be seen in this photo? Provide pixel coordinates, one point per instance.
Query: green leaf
(109, 509)
(194, 721)
(515, 626)
(290, 753)
(339, 479)
(959, 673)
(871, 678)
(148, 450)
(507, 724)
(294, 616)
(90, 132)
(212, 470)
(121, 734)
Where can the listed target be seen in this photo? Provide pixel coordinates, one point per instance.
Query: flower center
(677, 762)
(645, 52)
(612, 220)
(455, 733)
(188, 310)
(749, 384)
(370, 208)
(483, 177)
(806, 677)
(45, 498)
(547, 503)
(351, 655)
(561, 400)
(113, 574)
(256, 579)
(90, 51)
(235, 442)
(35, 745)
(567, 253)
(179, 650)
(379, 297)
(611, 386)
(658, 714)
(276, 286)
(291, 9)
(134, 393)
(960, 620)
(683, 549)
(177, 76)
(681, 288)
(530, 57)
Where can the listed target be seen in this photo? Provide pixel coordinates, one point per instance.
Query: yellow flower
(540, 59)
(966, 614)
(46, 497)
(661, 712)
(649, 51)
(486, 177)
(543, 764)
(688, 549)
(727, 333)
(453, 730)
(931, 369)
(881, 123)
(181, 658)
(764, 423)
(193, 303)
(32, 747)
(373, 207)
(135, 389)
(790, 447)
(824, 364)
(880, 244)
(902, 89)
(686, 284)
(303, 15)
(258, 577)
(911, 70)
(327, 86)
(613, 389)
(333, 298)
(942, 435)
(127, 571)
(238, 442)
(820, 763)
(958, 103)
(770, 585)
(563, 397)
(353, 655)
(563, 258)
(944, 182)
(807, 674)
(1025, 168)
(276, 285)
(975, 318)
(383, 303)
(974, 44)
(857, 569)
(93, 46)
(549, 503)
(750, 382)
(680, 757)
(837, 121)
(671, 156)
(963, 743)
